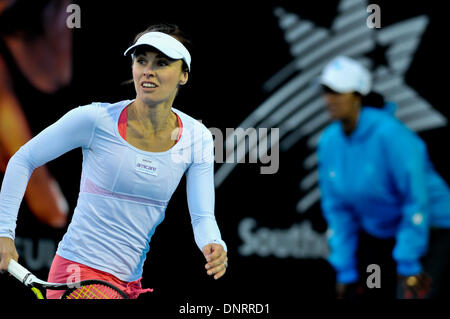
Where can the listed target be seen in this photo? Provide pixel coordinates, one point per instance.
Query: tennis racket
(86, 289)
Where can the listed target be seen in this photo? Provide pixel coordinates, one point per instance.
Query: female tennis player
(380, 193)
(134, 154)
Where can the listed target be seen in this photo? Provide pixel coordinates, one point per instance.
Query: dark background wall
(238, 47)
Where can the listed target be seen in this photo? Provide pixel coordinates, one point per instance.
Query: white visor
(166, 44)
(346, 75)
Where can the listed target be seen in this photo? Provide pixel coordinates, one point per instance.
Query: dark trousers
(375, 251)
(372, 250)
(437, 263)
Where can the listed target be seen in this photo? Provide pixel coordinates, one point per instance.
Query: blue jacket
(379, 179)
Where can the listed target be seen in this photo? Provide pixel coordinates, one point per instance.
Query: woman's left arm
(201, 197)
(407, 158)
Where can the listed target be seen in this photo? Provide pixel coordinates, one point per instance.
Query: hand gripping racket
(86, 289)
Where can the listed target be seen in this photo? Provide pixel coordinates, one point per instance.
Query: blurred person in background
(35, 62)
(383, 201)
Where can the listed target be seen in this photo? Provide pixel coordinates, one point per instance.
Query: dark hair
(373, 99)
(172, 30)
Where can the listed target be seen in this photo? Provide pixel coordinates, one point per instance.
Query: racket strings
(94, 291)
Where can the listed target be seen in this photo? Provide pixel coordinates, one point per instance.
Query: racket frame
(29, 280)
(80, 284)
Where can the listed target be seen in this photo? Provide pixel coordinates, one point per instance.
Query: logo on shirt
(146, 165)
(417, 219)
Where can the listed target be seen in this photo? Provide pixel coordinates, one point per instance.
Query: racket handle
(18, 271)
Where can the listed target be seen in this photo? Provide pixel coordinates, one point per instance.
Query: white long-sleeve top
(124, 191)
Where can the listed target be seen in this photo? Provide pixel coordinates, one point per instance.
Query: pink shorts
(62, 269)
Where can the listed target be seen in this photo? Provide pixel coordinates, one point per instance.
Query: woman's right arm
(43, 196)
(74, 129)
(343, 229)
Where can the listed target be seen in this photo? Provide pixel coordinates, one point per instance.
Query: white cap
(166, 44)
(345, 75)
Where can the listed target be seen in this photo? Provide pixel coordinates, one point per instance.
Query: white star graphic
(295, 105)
